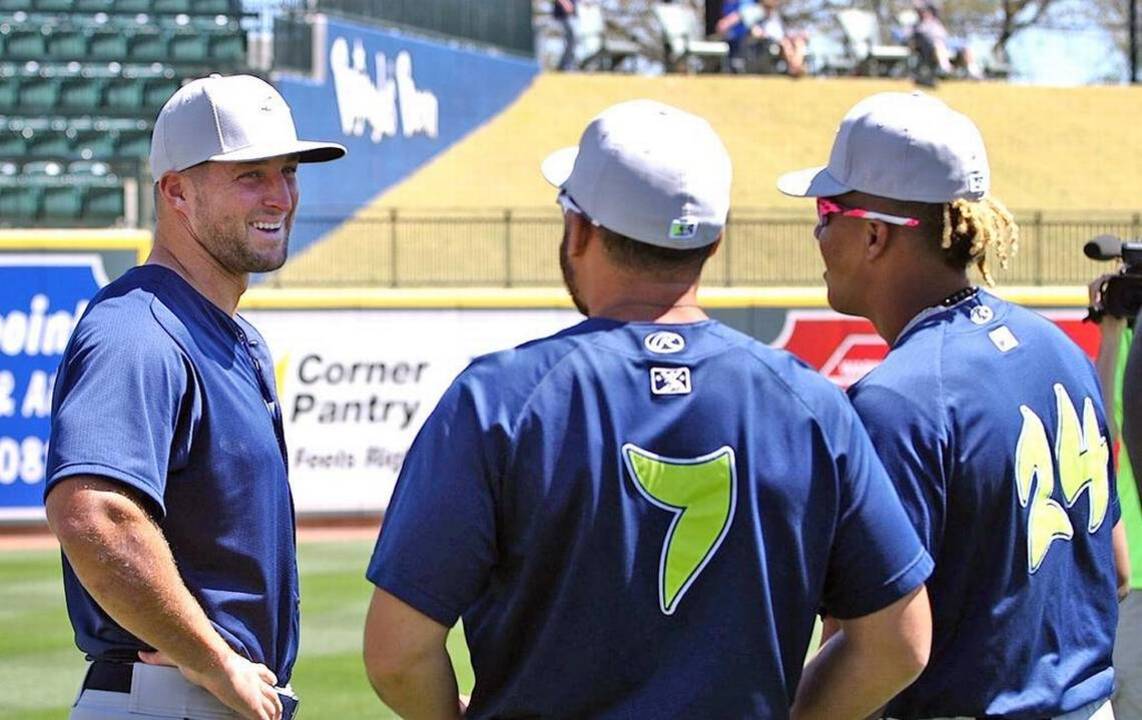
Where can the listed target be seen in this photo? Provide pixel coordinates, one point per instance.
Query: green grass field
(41, 667)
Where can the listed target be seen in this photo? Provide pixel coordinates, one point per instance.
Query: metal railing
(520, 248)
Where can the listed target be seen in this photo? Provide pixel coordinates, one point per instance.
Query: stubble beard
(229, 242)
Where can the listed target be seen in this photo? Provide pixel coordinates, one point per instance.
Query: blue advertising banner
(395, 101)
(42, 297)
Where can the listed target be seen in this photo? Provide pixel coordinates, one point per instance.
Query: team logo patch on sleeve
(670, 381)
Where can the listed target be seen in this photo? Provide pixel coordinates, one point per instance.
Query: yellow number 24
(1082, 455)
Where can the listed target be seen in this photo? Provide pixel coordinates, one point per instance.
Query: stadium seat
(64, 202)
(157, 92)
(213, 7)
(107, 45)
(105, 203)
(9, 92)
(147, 46)
(12, 145)
(19, 202)
(66, 45)
(49, 144)
(684, 39)
(93, 6)
(170, 7)
(52, 6)
(228, 48)
(189, 48)
(132, 6)
(123, 95)
(94, 145)
(39, 92)
(133, 144)
(25, 44)
(81, 94)
(7, 6)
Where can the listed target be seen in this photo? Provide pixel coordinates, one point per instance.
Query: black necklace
(959, 296)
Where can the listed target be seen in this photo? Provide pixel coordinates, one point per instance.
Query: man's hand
(245, 687)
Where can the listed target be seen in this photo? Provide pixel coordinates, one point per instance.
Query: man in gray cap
(167, 476)
(640, 515)
(988, 418)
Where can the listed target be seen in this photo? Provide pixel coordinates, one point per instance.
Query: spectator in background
(940, 53)
(756, 30)
(563, 11)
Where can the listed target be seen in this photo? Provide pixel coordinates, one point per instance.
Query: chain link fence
(519, 248)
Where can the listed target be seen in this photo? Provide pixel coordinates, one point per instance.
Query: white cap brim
(811, 182)
(557, 166)
(306, 150)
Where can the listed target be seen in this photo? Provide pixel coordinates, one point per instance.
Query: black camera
(1122, 293)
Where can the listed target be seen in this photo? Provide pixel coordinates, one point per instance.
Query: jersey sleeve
(908, 443)
(877, 557)
(438, 539)
(120, 408)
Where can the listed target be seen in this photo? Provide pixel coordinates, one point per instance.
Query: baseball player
(987, 417)
(167, 483)
(640, 515)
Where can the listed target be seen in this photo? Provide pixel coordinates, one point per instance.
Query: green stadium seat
(95, 145)
(170, 7)
(148, 46)
(133, 143)
(49, 144)
(64, 202)
(66, 45)
(93, 6)
(39, 92)
(8, 6)
(81, 94)
(132, 6)
(213, 7)
(189, 48)
(25, 44)
(104, 202)
(12, 145)
(123, 95)
(158, 92)
(53, 6)
(9, 93)
(107, 45)
(19, 203)
(228, 48)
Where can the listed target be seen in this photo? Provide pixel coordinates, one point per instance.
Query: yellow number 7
(1082, 455)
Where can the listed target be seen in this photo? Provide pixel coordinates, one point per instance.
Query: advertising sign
(41, 300)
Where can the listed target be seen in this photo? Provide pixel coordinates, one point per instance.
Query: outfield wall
(358, 372)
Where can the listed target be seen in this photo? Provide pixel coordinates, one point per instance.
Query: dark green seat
(107, 45)
(25, 44)
(49, 144)
(228, 48)
(93, 6)
(19, 203)
(39, 92)
(81, 94)
(157, 92)
(12, 144)
(213, 7)
(105, 203)
(62, 201)
(95, 145)
(148, 46)
(14, 5)
(132, 6)
(189, 48)
(66, 45)
(133, 143)
(9, 93)
(123, 95)
(53, 6)
(170, 7)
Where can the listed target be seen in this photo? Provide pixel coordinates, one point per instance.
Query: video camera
(1122, 293)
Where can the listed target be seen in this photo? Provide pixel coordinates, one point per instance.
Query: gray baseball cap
(904, 146)
(648, 171)
(236, 118)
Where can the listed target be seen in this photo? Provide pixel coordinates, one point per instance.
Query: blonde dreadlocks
(982, 232)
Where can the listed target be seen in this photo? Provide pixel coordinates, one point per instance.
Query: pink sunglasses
(826, 207)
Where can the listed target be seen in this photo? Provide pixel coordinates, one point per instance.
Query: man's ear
(878, 236)
(174, 188)
(580, 233)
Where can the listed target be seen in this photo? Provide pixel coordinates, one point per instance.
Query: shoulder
(126, 318)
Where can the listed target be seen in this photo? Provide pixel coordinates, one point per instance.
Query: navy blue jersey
(163, 392)
(989, 420)
(640, 520)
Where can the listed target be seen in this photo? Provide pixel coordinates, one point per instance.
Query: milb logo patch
(670, 381)
(683, 228)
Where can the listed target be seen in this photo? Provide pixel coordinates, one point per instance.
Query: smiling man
(167, 479)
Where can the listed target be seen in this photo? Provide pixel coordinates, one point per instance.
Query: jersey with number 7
(640, 521)
(989, 420)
